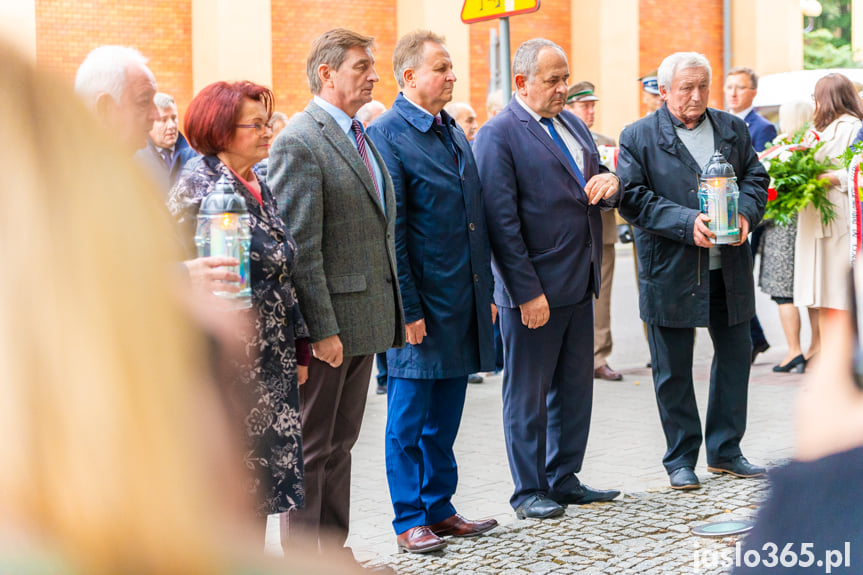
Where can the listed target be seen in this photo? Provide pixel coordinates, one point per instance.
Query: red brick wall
(551, 21)
(296, 23)
(161, 29)
(669, 26)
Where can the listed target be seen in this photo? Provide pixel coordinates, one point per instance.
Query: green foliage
(850, 153)
(797, 185)
(829, 44)
(820, 51)
(835, 18)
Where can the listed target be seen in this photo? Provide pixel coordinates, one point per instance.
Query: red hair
(210, 118)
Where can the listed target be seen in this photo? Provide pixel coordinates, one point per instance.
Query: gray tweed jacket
(345, 274)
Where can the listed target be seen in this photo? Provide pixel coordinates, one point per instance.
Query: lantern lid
(718, 167)
(223, 200)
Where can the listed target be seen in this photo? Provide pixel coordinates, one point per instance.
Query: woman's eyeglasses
(258, 128)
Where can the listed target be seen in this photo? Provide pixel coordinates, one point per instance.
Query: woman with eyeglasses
(822, 251)
(229, 124)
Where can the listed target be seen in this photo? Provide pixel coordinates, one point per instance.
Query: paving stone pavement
(646, 530)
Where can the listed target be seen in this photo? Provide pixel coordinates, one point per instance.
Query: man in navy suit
(741, 86)
(444, 267)
(543, 187)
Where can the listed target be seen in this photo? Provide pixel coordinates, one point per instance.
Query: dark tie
(562, 145)
(442, 130)
(364, 154)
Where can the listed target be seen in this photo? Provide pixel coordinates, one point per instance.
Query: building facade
(192, 43)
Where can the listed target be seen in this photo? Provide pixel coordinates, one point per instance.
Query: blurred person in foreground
(814, 503)
(685, 281)
(121, 455)
(117, 86)
(230, 125)
(167, 150)
(776, 273)
(821, 251)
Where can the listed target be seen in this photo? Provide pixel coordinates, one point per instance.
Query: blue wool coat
(442, 246)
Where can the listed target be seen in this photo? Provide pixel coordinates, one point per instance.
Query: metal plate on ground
(722, 528)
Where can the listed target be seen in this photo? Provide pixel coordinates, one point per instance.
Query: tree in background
(828, 45)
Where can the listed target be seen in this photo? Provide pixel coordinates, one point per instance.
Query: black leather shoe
(759, 347)
(582, 495)
(797, 364)
(381, 389)
(684, 478)
(739, 467)
(537, 506)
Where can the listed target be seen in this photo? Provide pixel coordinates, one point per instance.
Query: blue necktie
(560, 144)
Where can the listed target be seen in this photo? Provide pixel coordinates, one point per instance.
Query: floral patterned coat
(266, 385)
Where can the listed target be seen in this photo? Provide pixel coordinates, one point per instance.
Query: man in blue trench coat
(443, 256)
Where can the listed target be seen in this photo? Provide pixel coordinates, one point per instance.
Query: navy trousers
(547, 398)
(423, 416)
(671, 353)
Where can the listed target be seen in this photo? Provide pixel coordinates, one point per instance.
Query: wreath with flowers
(794, 178)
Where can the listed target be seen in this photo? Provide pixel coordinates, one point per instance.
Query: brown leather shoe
(419, 539)
(606, 373)
(458, 526)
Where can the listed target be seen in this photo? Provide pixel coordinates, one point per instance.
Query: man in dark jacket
(686, 281)
(167, 150)
(444, 267)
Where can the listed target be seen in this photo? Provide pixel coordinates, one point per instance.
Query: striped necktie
(357, 128)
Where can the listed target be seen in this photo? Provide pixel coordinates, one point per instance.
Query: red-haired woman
(229, 124)
(822, 252)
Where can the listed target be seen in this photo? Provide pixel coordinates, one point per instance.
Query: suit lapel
(538, 132)
(345, 147)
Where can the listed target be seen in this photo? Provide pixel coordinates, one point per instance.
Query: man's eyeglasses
(259, 128)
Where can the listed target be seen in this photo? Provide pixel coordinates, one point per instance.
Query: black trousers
(671, 353)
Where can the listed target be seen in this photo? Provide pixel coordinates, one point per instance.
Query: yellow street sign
(479, 10)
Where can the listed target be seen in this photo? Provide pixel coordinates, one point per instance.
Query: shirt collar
(742, 115)
(678, 124)
(527, 108)
(416, 115)
(342, 119)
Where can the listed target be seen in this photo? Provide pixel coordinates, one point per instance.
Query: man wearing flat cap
(581, 100)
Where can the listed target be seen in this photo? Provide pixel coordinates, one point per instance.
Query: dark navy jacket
(166, 178)
(544, 234)
(760, 129)
(442, 247)
(660, 198)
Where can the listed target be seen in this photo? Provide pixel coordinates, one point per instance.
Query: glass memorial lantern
(224, 230)
(717, 197)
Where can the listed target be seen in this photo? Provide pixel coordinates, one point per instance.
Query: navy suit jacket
(761, 130)
(442, 248)
(544, 234)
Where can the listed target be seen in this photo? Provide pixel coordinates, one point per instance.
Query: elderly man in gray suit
(338, 201)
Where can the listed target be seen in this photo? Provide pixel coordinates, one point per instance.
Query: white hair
(681, 61)
(456, 109)
(163, 101)
(103, 71)
(370, 111)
